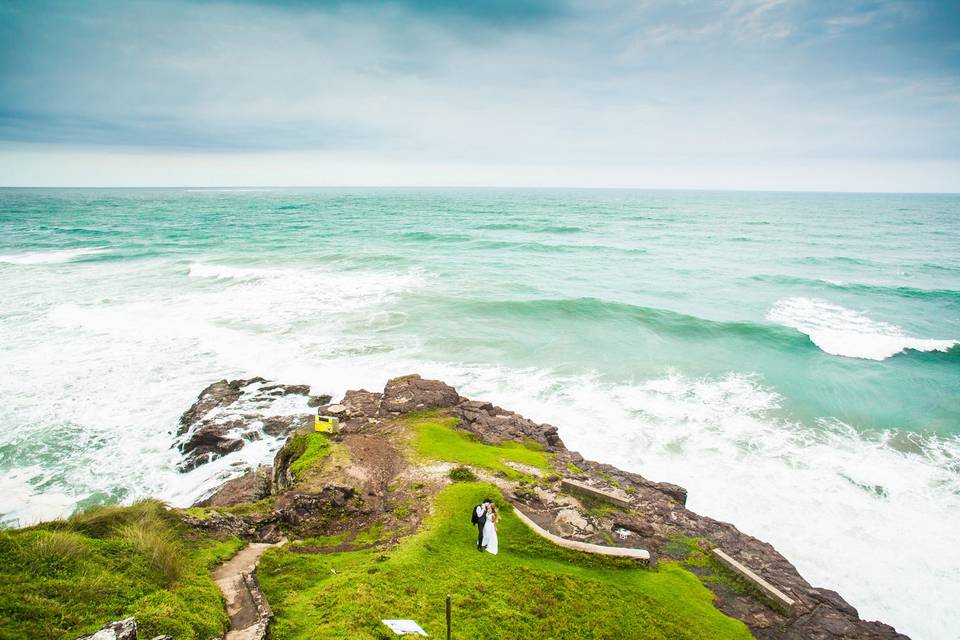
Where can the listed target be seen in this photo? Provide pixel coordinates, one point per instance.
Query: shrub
(462, 473)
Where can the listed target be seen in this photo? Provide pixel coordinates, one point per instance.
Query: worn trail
(246, 606)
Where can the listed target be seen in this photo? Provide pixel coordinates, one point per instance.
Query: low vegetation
(65, 578)
(532, 589)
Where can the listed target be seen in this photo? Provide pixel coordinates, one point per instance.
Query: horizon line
(475, 187)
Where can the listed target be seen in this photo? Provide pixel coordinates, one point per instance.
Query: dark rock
(227, 414)
(413, 393)
(280, 425)
(286, 389)
(216, 395)
(494, 425)
(316, 401)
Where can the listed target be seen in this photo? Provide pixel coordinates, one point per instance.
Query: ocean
(789, 358)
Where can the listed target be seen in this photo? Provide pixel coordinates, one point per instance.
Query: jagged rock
(228, 414)
(413, 393)
(125, 629)
(495, 425)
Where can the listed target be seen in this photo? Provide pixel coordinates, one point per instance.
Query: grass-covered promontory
(61, 579)
(532, 589)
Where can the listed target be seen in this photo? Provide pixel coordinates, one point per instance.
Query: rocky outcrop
(230, 413)
(413, 393)
(495, 425)
(258, 527)
(125, 629)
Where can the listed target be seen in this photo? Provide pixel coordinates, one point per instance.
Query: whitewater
(790, 359)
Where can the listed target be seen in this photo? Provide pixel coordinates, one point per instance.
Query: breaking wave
(845, 332)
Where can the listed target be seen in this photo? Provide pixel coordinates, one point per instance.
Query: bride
(490, 529)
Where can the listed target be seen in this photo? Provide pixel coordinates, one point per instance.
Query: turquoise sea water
(790, 358)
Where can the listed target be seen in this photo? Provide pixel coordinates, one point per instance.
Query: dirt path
(374, 463)
(245, 617)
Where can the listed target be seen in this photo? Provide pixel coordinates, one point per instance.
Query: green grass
(438, 438)
(533, 589)
(66, 578)
(312, 448)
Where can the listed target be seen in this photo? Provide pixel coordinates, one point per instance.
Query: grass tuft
(158, 545)
(59, 545)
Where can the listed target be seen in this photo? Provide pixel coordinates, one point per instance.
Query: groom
(479, 518)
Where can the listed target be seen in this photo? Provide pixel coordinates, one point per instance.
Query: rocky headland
(370, 472)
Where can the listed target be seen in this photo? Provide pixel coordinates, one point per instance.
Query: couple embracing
(486, 517)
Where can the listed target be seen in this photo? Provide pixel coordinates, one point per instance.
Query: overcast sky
(754, 94)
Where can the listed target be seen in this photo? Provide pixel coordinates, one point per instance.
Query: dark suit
(481, 521)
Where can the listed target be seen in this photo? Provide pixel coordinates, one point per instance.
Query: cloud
(608, 84)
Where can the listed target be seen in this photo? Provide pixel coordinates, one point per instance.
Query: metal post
(448, 616)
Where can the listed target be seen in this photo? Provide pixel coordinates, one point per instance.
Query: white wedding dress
(490, 536)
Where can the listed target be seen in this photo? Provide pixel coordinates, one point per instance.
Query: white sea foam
(222, 272)
(55, 256)
(845, 332)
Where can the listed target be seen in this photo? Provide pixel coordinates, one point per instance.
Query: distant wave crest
(55, 256)
(844, 332)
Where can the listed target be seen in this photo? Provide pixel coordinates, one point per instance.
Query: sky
(739, 94)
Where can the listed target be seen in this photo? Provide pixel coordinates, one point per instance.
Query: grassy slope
(63, 579)
(438, 439)
(533, 589)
